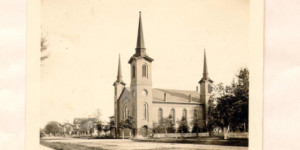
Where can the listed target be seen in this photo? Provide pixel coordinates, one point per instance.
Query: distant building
(85, 125)
(148, 105)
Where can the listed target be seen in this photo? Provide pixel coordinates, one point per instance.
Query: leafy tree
(232, 105)
(241, 105)
(165, 125)
(112, 126)
(99, 128)
(183, 126)
(52, 127)
(127, 124)
(198, 124)
(106, 129)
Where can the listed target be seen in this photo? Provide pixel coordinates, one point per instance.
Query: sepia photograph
(145, 74)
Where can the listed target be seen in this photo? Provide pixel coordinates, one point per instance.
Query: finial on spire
(119, 77)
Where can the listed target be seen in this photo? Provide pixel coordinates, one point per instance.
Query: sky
(86, 37)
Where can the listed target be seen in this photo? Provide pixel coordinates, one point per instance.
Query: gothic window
(160, 115)
(195, 113)
(133, 71)
(126, 112)
(184, 113)
(145, 71)
(132, 110)
(172, 114)
(146, 111)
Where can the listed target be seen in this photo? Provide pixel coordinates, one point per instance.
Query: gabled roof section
(176, 96)
(125, 90)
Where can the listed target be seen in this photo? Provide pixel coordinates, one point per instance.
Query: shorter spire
(205, 72)
(119, 77)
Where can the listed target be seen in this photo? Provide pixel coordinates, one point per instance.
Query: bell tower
(141, 82)
(205, 89)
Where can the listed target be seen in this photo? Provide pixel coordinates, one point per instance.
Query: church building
(148, 105)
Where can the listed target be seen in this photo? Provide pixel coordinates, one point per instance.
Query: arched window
(145, 71)
(195, 113)
(160, 115)
(184, 114)
(126, 112)
(145, 111)
(133, 71)
(132, 110)
(172, 114)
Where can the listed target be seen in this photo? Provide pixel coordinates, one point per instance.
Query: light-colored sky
(85, 38)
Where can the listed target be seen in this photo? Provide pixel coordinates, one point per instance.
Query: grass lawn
(67, 146)
(206, 140)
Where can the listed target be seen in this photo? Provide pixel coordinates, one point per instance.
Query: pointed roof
(205, 72)
(140, 50)
(119, 76)
(140, 38)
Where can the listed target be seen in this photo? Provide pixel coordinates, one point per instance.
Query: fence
(232, 135)
(178, 135)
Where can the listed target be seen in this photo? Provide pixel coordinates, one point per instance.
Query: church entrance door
(145, 131)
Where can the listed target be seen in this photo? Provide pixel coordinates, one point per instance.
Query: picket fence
(178, 135)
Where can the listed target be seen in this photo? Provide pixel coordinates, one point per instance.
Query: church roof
(175, 96)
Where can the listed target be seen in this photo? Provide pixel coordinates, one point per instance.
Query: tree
(52, 127)
(183, 126)
(232, 105)
(106, 129)
(241, 105)
(127, 124)
(99, 128)
(198, 124)
(165, 125)
(112, 126)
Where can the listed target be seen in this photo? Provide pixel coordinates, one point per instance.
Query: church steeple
(205, 72)
(140, 45)
(140, 50)
(119, 77)
(205, 76)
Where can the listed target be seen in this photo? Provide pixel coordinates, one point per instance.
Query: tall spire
(140, 46)
(205, 72)
(119, 77)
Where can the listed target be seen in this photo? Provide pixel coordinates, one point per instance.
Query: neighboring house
(148, 105)
(86, 125)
